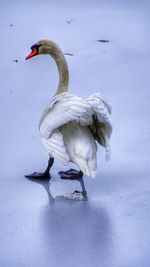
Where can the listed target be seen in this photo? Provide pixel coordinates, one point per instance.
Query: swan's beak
(33, 53)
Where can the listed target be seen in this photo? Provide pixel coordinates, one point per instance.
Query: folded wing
(101, 127)
(62, 109)
(93, 112)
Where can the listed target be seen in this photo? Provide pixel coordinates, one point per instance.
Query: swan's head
(42, 47)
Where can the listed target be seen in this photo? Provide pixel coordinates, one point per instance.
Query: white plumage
(67, 128)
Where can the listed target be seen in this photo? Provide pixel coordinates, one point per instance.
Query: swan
(71, 127)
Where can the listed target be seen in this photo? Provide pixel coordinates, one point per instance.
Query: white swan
(69, 125)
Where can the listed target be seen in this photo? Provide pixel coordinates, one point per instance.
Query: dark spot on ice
(76, 192)
(11, 25)
(103, 41)
(70, 21)
(16, 60)
(69, 54)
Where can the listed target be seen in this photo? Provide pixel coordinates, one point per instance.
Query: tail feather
(92, 165)
(88, 167)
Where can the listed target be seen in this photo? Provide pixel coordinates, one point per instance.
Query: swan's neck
(62, 66)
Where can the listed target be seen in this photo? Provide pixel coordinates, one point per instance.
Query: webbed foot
(71, 174)
(45, 175)
(39, 175)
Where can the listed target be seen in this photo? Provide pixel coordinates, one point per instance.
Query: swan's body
(66, 133)
(69, 125)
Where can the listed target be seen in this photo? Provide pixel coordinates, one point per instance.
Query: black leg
(45, 174)
(74, 175)
(84, 192)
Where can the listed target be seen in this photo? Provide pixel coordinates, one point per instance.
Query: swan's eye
(34, 52)
(35, 47)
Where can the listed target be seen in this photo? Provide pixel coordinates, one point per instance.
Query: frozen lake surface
(39, 225)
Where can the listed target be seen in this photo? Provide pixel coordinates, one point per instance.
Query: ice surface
(39, 225)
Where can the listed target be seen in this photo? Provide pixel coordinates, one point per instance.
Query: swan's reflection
(77, 233)
(46, 184)
(75, 196)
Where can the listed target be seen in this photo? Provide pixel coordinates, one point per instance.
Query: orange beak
(32, 54)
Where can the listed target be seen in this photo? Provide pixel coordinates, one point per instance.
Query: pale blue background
(112, 228)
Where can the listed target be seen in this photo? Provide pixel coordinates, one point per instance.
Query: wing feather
(62, 109)
(55, 147)
(93, 112)
(101, 127)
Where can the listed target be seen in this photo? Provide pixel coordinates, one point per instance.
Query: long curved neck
(62, 66)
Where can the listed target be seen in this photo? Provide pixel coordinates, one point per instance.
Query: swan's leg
(43, 175)
(84, 192)
(74, 175)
